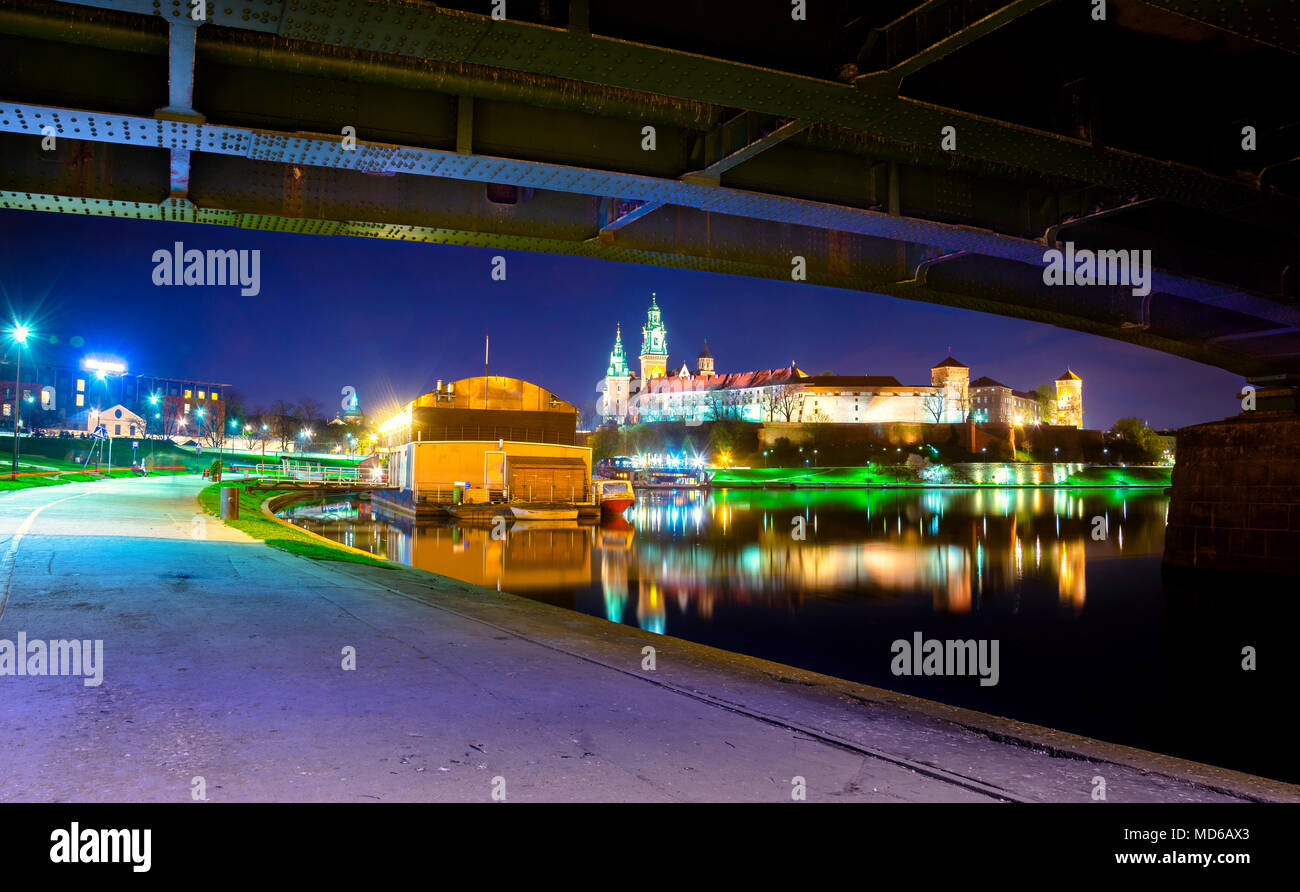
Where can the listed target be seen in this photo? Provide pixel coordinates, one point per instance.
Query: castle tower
(1069, 400)
(654, 344)
(953, 379)
(618, 382)
(704, 364)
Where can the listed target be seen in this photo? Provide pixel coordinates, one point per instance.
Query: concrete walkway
(223, 661)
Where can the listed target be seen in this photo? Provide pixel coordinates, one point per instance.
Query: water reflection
(968, 550)
(1068, 580)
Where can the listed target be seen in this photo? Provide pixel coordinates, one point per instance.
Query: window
(7, 410)
(81, 400)
(187, 396)
(81, 386)
(187, 405)
(202, 395)
(117, 430)
(215, 395)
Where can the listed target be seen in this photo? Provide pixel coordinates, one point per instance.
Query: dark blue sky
(390, 318)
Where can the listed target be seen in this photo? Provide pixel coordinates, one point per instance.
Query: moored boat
(544, 512)
(614, 496)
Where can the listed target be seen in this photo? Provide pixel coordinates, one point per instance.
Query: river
(1066, 581)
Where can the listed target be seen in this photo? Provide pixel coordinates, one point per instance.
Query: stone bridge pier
(1235, 504)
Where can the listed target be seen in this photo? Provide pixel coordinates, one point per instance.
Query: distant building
(58, 390)
(117, 421)
(790, 394)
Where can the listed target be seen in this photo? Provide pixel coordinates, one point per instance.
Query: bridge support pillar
(1235, 504)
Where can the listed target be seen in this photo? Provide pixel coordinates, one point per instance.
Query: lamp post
(19, 334)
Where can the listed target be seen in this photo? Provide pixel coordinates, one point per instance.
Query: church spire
(617, 361)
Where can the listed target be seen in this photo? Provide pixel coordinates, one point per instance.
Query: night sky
(390, 318)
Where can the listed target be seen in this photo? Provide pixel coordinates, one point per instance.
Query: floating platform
(481, 512)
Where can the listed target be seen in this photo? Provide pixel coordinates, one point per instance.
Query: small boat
(542, 512)
(614, 496)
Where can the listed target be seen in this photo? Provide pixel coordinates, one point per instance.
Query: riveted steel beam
(721, 156)
(927, 34)
(181, 40)
(323, 150)
(327, 151)
(1271, 22)
(422, 31)
(819, 274)
(631, 215)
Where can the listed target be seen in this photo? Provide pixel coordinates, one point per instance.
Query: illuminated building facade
(1068, 410)
(58, 387)
(791, 395)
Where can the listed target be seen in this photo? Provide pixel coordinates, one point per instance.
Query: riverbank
(823, 706)
(262, 525)
(963, 475)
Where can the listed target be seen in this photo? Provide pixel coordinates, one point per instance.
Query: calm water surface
(1090, 639)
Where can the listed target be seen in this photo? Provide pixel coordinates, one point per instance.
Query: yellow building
(499, 437)
(1069, 401)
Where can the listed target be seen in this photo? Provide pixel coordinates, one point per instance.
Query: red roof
(733, 381)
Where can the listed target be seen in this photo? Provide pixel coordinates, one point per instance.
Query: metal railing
(314, 472)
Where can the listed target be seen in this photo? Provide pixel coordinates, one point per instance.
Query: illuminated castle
(791, 395)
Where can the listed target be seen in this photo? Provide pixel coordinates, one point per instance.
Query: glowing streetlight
(19, 334)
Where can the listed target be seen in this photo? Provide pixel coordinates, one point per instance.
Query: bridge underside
(529, 134)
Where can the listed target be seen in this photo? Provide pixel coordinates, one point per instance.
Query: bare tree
(785, 400)
(934, 406)
(281, 423)
(733, 403)
(716, 403)
(309, 412)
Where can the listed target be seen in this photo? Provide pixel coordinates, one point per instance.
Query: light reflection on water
(968, 550)
(1091, 640)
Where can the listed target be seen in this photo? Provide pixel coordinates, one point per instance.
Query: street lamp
(19, 334)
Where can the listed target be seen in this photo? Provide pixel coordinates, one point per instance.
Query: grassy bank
(1099, 475)
(951, 475)
(274, 533)
(38, 471)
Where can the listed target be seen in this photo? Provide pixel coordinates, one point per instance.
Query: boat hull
(544, 513)
(615, 507)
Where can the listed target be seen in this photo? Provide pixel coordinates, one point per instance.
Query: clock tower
(654, 344)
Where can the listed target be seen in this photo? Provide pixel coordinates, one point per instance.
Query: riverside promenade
(223, 660)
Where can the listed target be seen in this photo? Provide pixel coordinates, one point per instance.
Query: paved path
(222, 660)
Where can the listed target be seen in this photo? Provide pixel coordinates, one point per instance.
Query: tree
(722, 438)
(1046, 394)
(785, 401)
(309, 412)
(235, 407)
(965, 403)
(604, 442)
(281, 423)
(933, 405)
(1138, 436)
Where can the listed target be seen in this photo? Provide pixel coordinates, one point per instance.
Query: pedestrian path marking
(10, 558)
